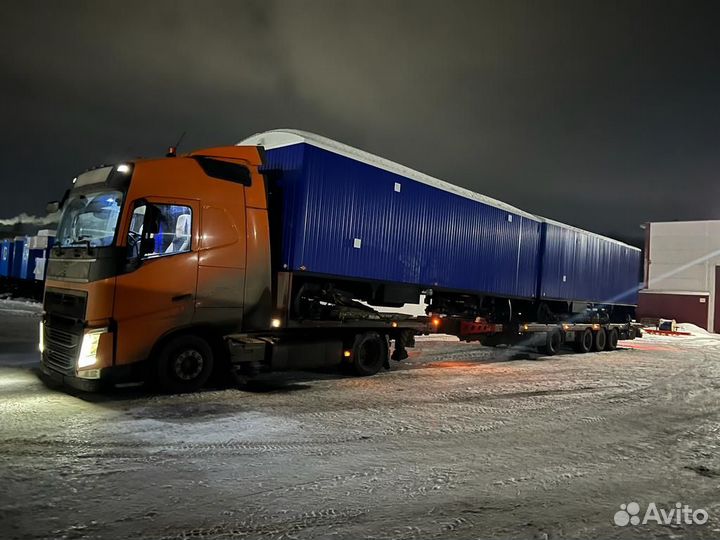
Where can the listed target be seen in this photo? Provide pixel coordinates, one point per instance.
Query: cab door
(156, 293)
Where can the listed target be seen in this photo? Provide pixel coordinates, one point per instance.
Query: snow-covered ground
(19, 332)
(462, 441)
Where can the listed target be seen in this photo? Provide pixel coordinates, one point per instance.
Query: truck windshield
(90, 219)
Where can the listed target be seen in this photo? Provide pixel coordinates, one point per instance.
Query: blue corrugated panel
(29, 257)
(581, 266)
(344, 217)
(6, 255)
(16, 267)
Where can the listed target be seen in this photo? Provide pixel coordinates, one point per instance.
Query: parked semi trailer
(270, 254)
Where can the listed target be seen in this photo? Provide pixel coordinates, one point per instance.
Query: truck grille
(65, 303)
(62, 347)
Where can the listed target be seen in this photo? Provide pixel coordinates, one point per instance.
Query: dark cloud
(601, 114)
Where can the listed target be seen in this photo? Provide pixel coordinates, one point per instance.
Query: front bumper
(79, 383)
(109, 377)
(66, 343)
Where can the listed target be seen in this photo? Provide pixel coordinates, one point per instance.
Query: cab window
(160, 229)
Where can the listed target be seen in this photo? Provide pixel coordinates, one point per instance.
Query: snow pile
(437, 337)
(19, 307)
(30, 219)
(692, 328)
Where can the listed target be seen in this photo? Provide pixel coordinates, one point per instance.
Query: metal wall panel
(581, 266)
(347, 218)
(691, 308)
(6, 257)
(285, 168)
(16, 265)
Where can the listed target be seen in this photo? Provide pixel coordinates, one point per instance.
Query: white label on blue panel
(357, 243)
(397, 187)
(564, 279)
(510, 217)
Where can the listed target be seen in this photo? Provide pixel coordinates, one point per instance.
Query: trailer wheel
(612, 340)
(552, 343)
(584, 343)
(600, 340)
(184, 364)
(370, 352)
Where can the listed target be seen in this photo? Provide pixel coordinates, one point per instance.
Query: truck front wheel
(370, 352)
(184, 364)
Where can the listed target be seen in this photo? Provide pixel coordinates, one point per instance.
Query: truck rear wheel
(612, 340)
(552, 343)
(600, 340)
(184, 364)
(584, 342)
(370, 352)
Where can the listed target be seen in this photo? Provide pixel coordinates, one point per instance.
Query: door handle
(181, 297)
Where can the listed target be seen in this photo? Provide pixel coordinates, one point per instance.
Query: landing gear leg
(403, 340)
(400, 353)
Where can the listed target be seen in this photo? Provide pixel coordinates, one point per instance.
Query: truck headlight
(88, 349)
(41, 338)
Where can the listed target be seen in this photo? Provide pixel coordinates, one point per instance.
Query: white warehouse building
(682, 270)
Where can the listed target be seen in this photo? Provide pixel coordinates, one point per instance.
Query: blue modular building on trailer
(346, 217)
(582, 266)
(29, 260)
(6, 256)
(22, 263)
(351, 214)
(17, 258)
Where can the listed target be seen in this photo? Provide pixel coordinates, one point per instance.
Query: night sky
(600, 114)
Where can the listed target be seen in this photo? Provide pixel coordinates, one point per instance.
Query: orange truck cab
(157, 259)
(167, 270)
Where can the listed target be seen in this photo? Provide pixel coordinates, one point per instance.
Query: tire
(631, 333)
(612, 340)
(370, 353)
(585, 342)
(552, 344)
(184, 364)
(599, 340)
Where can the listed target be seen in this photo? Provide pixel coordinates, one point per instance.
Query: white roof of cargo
(278, 138)
(573, 228)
